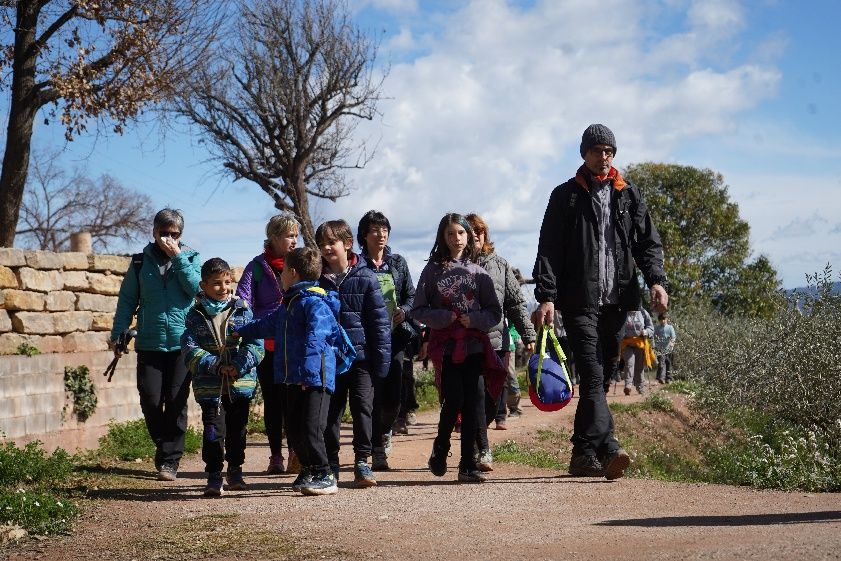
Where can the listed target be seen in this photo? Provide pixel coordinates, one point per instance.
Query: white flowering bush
(37, 512)
(779, 379)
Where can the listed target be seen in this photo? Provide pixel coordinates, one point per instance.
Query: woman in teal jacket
(160, 286)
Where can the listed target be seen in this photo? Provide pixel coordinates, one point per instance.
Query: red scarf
(273, 260)
(584, 173)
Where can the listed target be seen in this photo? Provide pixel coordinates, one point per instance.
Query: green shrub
(37, 512)
(654, 402)
(31, 465)
(27, 350)
(425, 390)
(78, 382)
(256, 422)
(130, 440)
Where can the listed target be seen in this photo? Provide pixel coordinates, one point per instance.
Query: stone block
(41, 281)
(13, 427)
(60, 301)
(74, 261)
(86, 342)
(47, 343)
(75, 280)
(102, 321)
(106, 283)
(2, 298)
(24, 301)
(11, 257)
(36, 424)
(33, 323)
(8, 278)
(54, 420)
(12, 386)
(11, 406)
(66, 322)
(114, 263)
(9, 343)
(44, 260)
(5, 321)
(96, 303)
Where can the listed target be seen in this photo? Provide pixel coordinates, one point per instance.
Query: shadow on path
(730, 520)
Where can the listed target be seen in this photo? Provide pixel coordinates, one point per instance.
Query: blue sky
(487, 101)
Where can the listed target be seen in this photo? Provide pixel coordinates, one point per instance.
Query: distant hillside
(836, 289)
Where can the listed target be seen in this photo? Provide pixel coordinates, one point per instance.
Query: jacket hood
(310, 289)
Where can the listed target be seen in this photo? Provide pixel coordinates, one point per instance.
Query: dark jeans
(355, 386)
(274, 403)
(594, 338)
(307, 410)
(462, 389)
(386, 400)
(163, 383)
(224, 435)
(664, 367)
(408, 397)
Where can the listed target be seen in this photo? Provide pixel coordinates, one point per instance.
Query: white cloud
(489, 118)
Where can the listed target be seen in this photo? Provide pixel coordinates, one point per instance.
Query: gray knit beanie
(597, 134)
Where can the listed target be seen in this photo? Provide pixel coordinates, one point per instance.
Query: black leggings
(462, 389)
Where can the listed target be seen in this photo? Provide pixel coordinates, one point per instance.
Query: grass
(130, 441)
(654, 402)
(514, 452)
(222, 535)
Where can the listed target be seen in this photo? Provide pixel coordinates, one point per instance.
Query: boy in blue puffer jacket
(306, 331)
(223, 371)
(368, 324)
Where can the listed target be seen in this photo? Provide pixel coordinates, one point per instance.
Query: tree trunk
(302, 210)
(22, 111)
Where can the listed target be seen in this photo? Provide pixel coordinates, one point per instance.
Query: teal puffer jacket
(161, 301)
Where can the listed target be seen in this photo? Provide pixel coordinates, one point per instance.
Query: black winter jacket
(566, 269)
(364, 315)
(405, 292)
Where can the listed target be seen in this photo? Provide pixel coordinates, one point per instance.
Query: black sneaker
(323, 484)
(235, 480)
(438, 462)
(214, 486)
(379, 460)
(470, 474)
(585, 465)
(168, 472)
(303, 479)
(616, 464)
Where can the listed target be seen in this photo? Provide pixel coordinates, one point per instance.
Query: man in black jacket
(595, 233)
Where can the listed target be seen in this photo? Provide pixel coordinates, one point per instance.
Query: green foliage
(256, 421)
(36, 512)
(130, 441)
(78, 382)
(30, 481)
(425, 390)
(706, 243)
(31, 465)
(516, 453)
(27, 349)
(654, 402)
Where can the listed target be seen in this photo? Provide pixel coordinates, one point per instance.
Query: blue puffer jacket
(201, 353)
(161, 301)
(305, 328)
(364, 315)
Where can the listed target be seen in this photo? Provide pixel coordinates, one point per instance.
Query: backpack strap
(137, 264)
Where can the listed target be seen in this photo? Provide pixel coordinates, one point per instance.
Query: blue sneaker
(362, 475)
(304, 478)
(214, 487)
(323, 484)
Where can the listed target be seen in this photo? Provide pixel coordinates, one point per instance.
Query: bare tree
(101, 60)
(57, 204)
(278, 104)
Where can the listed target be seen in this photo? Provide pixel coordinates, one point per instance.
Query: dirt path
(520, 513)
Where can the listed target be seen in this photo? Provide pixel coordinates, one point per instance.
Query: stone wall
(58, 302)
(62, 304)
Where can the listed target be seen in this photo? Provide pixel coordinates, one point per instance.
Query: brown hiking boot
(616, 464)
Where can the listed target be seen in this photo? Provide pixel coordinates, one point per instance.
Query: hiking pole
(121, 346)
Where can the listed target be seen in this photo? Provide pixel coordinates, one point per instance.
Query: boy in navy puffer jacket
(223, 372)
(368, 324)
(306, 330)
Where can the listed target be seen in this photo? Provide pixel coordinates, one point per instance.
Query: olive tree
(89, 60)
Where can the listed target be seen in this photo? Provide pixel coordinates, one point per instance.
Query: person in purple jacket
(260, 286)
(457, 300)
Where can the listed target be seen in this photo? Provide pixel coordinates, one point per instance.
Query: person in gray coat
(514, 311)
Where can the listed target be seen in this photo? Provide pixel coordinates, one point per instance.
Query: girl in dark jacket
(398, 293)
(457, 301)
